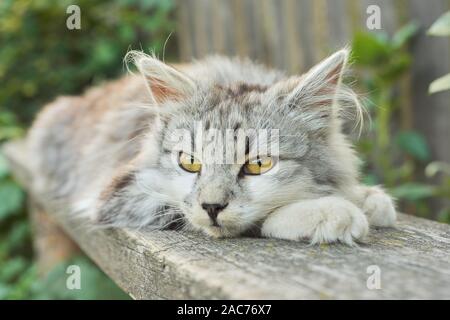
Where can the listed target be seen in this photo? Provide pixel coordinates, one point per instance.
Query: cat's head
(230, 155)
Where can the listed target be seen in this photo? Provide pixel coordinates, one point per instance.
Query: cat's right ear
(164, 81)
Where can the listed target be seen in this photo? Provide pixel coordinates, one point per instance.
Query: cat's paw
(379, 208)
(324, 220)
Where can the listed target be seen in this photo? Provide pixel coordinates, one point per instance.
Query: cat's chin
(218, 232)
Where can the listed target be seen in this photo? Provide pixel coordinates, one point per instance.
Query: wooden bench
(412, 260)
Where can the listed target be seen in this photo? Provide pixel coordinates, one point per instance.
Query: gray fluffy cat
(110, 155)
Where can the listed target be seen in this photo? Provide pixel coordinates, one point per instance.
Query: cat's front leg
(322, 220)
(378, 206)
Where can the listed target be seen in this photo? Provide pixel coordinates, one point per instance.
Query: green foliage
(440, 28)
(4, 168)
(9, 126)
(413, 191)
(413, 144)
(12, 198)
(11, 194)
(393, 157)
(39, 60)
(385, 57)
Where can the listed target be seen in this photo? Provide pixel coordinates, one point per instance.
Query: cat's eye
(189, 163)
(258, 166)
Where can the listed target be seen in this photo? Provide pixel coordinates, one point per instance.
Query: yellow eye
(189, 163)
(258, 166)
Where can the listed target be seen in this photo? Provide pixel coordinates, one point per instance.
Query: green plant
(395, 156)
(40, 58)
(440, 28)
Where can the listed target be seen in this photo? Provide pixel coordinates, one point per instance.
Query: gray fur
(137, 183)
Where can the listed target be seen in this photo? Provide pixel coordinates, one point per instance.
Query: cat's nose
(213, 210)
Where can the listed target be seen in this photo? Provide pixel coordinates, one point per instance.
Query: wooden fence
(294, 34)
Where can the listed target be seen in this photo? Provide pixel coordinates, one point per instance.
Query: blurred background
(405, 146)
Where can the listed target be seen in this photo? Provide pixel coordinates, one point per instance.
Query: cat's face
(225, 184)
(222, 194)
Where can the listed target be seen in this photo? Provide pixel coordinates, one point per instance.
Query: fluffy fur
(110, 154)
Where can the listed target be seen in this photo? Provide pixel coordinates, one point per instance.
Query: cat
(109, 155)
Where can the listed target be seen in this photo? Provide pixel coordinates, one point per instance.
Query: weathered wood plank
(414, 260)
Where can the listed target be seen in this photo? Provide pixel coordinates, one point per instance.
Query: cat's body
(109, 154)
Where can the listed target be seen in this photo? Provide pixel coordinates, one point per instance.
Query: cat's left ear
(164, 82)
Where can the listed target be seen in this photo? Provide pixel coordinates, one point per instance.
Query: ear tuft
(164, 82)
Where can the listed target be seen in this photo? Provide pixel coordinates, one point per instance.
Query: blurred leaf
(104, 53)
(4, 169)
(414, 144)
(368, 49)
(11, 196)
(370, 180)
(9, 127)
(19, 233)
(436, 166)
(11, 132)
(444, 215)
(396, 67)
(12, 268)
(402, 36)
(413, 191)
(441, 27)
(23, 285)
(440, 84)
(4, 291)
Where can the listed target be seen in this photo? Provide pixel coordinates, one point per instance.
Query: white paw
(379, 208)
(324, 220)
